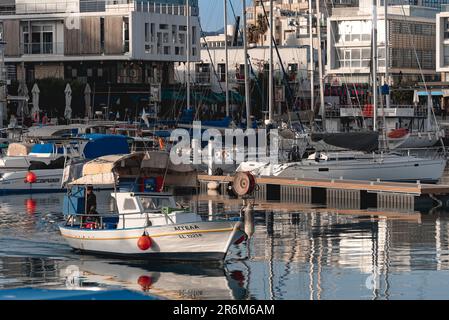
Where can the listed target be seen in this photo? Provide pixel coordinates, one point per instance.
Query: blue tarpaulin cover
(104, 145)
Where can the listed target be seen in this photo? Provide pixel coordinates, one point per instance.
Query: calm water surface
(299, 253)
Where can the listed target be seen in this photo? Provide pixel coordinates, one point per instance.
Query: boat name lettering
(186, 228)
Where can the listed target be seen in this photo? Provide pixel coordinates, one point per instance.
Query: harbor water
(295, 252)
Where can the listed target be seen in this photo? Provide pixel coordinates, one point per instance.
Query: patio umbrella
(23, 104)
(145, 118)
(87, 103)
(415, 98)
(35, 110)
(68, 102)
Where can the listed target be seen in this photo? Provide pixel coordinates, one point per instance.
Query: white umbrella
(87, 92)
(23, 105)
(35, 110)
(145, 118)
(415, 98)
(68, 102)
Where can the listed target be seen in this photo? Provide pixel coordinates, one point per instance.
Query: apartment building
(411, 34)
(101, 41)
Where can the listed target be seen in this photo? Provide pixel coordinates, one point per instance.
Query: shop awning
(434, 93)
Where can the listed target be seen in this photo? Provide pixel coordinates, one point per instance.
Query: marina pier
(343, 193)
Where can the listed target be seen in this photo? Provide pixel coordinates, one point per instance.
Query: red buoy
(144, 242)
(145, 282)
(30, 206)
(31, 177)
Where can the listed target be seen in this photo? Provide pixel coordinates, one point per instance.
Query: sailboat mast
(320, 65)
(247, 80)
(226, 56)
(312, 80)
(270, 83)
(374, 63)
(188, 52)
(387, 54)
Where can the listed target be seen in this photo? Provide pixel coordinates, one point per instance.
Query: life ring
(398, 133)
(244, 184)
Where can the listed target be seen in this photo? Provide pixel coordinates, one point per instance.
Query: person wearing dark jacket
(91, 201)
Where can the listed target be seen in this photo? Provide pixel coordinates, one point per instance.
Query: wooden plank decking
(369, 186)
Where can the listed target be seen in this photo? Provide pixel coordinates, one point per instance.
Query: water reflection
(296, 252)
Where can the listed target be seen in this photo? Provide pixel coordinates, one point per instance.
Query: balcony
(67, 6)
(42, 48)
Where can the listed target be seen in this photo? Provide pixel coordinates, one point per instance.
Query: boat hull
(190, 241)
(49, 180)
(405, 169)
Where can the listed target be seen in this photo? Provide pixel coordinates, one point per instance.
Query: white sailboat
(356, 165)
(350, 165)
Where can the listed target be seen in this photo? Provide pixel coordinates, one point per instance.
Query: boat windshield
(156, 203)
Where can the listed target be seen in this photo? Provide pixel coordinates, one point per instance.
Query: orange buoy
(144, 242)
(31, 177)
(145, 282)
(161, 144)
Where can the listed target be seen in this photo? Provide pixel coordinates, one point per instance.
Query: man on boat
(91, 201)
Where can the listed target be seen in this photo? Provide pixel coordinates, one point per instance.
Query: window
(152, 32)
(147, 32)
(126, 35)
(222, 72)
(102, 34)
(129, 205)
(174, 33)
(193, 35)
(40, 41)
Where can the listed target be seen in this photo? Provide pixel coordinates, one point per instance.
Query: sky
(211, 13)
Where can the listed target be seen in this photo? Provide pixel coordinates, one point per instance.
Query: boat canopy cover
(18, 149)
(359, 141)
(105, 170)
(51, 131)
(101, 145)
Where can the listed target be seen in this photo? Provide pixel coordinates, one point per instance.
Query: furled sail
(358, 141)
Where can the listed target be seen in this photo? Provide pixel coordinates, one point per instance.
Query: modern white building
(411, 34)
(442, 45)
(101, 41)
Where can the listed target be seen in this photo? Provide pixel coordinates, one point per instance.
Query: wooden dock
(355, 194)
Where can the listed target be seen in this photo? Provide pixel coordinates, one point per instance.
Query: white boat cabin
(154, 209)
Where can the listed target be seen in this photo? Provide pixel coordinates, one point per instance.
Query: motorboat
(147, 225)
(41, 169)
(144, 224)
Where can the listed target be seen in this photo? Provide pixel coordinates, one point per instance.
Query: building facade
(411, 35)
(442, 45)
(107, 41)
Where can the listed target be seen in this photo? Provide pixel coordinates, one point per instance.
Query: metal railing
(56, 48)
(97, 221)
(335, 112)
(72, 6)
